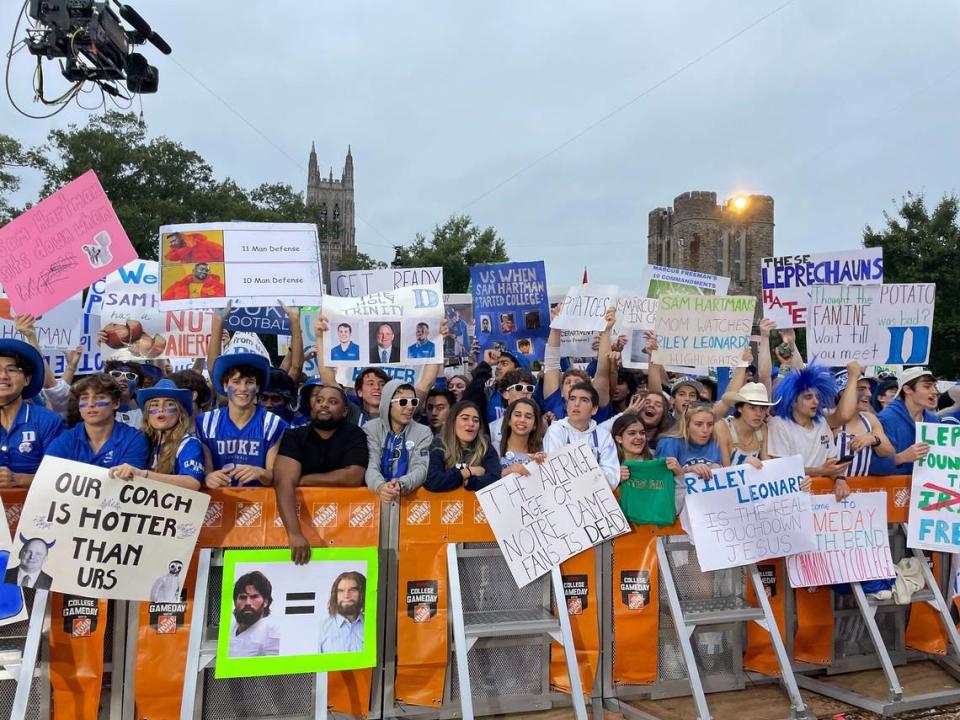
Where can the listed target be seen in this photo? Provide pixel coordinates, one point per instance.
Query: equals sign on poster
(301, 603)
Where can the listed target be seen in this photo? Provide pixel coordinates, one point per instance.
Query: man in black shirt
(329, 452)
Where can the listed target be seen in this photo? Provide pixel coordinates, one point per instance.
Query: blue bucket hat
(166, 389)
(33, 362)
(303, 405)
(227, 362)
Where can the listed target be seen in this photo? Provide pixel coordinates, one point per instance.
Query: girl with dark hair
(522, 439)
(461, 456)
(630, 436)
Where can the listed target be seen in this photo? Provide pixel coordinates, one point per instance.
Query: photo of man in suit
(384, 343)
(29, 572)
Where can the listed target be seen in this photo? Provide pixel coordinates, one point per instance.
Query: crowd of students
(247, 423)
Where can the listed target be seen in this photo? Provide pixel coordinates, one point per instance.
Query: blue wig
(814, 377)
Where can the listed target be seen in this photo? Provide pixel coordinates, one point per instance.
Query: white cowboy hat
(751, 394)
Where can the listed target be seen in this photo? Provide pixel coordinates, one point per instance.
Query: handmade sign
(636, 314)
(872, 324)
(584, 307)
(135, 327)
(59, 329)
(389, 328)
(852, 542)
(935, 490)
(510, 307)
(703, 330)
(277, 618)
(742, 515)
(786, 280)
(60, 246)
(86, 533)
(262, 320)
(12, 608)
(357, 283)
(251, 264)
(577, 343)
(563, 507)
(656, 280)
(90, 359)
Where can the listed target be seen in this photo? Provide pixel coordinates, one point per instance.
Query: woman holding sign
(691, 446)
(176, 456)
(461, 456)
(522, 438)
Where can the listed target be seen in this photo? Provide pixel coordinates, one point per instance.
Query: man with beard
(192, 248)
(343, 630)
(200, 283)
(251, 634)
(329, 452)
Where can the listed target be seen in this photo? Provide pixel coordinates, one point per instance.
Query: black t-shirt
(347, 446)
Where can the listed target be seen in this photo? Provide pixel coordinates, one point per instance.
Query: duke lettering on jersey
(238, 447)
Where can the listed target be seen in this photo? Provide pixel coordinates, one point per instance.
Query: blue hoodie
(901, 428)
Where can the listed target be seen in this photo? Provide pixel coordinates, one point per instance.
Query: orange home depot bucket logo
(418, 513)
(324, 515)
(166, 625)
(479, 517)
(13, 513)
(80, 616)
(451, 512)
(576, 590)
(635, 589)
(901, 498)
(214, 515)
(249, 515)
(422, 600)
(361, 514)
(81, 627)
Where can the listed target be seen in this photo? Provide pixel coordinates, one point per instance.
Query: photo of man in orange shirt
(200, 283)
(192, 247)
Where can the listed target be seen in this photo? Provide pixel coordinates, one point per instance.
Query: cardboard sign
(138, 329)
(357, 283)
(252, 264)
(935, 491)
(852, 542)
(703, 330)
(872, 324)
(389, 328)
(584, 307)
(563, 507)
(656, 280)
(636, 314)
(59, 329)
(319, 617)
(786, 280)
(510, 307)
(742, 515)
(91, 360)
(60, 246)
(262, 320)
(104, 538)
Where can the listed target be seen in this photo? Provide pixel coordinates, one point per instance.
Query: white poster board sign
(584, 307)
(563, 507)
(399, 327)
(60, 328)
(872, 324)
(703, 330)
(935, 491)
(852, 542)
(252, 264)
(656, 280)
(356, 283)
(105, 538)
(785, 281)
(742, 515)
(636, 314)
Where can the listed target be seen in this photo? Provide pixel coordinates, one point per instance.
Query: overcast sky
(835, 109)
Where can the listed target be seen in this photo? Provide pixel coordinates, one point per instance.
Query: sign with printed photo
(252, 264)
(277, 618)
(510, 307)
(86, 533)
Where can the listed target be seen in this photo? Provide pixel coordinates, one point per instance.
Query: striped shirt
(860, 465)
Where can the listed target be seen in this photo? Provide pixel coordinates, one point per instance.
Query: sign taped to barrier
(563, 507)
(935, 490)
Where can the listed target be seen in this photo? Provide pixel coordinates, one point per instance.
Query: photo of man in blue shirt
(347, 349)
(342, 631)
(422, 349)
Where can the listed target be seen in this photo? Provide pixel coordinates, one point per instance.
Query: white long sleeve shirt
(561, 433)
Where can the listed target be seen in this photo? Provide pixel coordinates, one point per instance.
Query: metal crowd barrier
(627, 642)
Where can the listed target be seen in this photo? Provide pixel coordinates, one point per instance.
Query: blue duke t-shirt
(33, 430)
(230, 445)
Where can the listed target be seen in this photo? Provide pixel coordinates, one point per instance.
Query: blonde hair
(453, 451)
(167, 459)
(683, 423)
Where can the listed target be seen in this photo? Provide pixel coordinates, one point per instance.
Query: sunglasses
(523, 387)
(403, 402)
(123, 375)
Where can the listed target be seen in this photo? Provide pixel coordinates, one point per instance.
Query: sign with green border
(283, 619)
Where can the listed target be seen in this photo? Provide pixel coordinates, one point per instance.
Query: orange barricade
(428, 522)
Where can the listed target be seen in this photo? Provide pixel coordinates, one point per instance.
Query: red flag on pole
(585, 275)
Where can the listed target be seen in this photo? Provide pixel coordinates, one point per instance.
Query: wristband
(876, 440)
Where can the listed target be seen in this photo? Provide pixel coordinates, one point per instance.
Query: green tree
(923, 246)
(456, 246)
(12, 158)
(360, 261)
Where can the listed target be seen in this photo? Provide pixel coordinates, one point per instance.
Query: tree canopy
(922, 245)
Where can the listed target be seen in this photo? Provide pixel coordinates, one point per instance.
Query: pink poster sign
(60, 246)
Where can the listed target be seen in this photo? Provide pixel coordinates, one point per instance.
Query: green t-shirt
(647, 496)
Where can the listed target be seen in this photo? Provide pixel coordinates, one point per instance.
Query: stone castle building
(334, 197)
(729, 239)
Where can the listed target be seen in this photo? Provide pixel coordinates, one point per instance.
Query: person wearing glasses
(129, 376)
(515, 384)
(461, 456)
(99, 439)
(26, 429)
(398, 446)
